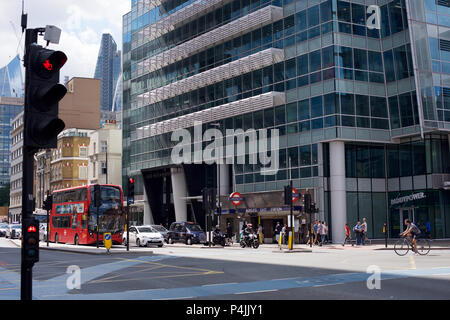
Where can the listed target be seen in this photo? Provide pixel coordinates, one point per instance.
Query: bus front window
(110, 212)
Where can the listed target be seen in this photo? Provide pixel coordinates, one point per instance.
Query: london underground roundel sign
(295, 195)
(236, 198)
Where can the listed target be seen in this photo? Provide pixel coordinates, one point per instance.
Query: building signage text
(412, 197)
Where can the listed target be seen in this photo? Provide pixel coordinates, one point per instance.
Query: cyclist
(412, 231)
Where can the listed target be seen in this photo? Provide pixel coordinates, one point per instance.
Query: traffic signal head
(307, 202)
(288, 195)
(48, 203)
(131, 182)
(43, 93)
(30, 241)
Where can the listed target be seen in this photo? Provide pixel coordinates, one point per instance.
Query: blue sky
(82, 22)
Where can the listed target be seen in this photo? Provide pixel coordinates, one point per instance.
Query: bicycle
(402, 246)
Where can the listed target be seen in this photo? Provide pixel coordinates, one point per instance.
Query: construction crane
(17, 36)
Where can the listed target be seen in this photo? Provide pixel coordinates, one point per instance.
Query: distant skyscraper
(11, 79)
(108, 70)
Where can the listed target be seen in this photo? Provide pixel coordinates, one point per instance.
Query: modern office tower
(363, 114)
(108, 70)
(11, 80)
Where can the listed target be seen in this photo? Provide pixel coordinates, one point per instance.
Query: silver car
(14, 231)
(160, 229)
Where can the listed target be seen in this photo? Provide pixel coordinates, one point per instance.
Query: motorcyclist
(217, 231)
(248, 231)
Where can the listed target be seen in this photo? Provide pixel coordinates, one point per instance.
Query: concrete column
(320, 191)
(338, 190)
(148, 215)
(223, 172)
(179, 192)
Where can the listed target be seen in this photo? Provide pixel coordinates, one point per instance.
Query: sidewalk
(116, 249)
(298, 248)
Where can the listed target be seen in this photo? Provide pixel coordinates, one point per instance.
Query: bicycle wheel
(423, 246)
(401, 247)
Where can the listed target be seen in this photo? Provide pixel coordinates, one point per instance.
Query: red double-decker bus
(73, 218)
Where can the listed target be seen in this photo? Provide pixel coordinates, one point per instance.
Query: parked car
(144, 236)
(3, 227)
(14, 231)
(161, 230)
(187, 232)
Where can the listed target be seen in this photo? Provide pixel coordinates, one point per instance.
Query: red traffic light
(47, 65)
(131, 180)
(32, 229)
(46, 62)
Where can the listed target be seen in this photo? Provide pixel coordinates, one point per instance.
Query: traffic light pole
(40, 129)
(27, 213)
(128, 225)
(48, 222)
(26, 279)
(292, 219)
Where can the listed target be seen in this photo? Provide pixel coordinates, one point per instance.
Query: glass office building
(363, 114)
(11, 79)
(108, 70)
(11, 103)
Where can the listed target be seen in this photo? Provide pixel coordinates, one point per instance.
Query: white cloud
(82, 23)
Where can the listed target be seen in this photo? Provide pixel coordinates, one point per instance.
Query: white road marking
(177, 298)
(219, 284)
(261, 291)
(328, 284)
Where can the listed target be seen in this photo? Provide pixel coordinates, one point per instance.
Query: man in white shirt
(319, 232)
(323, 232)
(364, 230)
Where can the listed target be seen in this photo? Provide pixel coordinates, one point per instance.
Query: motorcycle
(219, 238)
(250, 240)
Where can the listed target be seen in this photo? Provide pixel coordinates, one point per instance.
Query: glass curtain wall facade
(108, 70)
(11, 79)
(331, 78)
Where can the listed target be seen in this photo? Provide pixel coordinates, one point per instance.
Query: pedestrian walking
(284, 234)
(357, 230)
(309, 235)
(323, 233)
(364, 231)
(319, 233)
(428, 230)
(260, 234)
(277, 232)
(316, 232)
(326, 234)
(348, 236)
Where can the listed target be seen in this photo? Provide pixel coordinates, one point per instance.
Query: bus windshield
(110, 211)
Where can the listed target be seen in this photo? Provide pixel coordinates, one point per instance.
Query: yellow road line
(161, 277)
